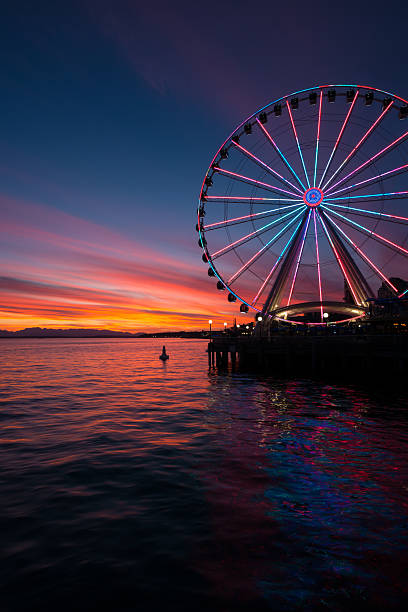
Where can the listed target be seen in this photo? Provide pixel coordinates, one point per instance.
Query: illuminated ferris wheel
(304, 209)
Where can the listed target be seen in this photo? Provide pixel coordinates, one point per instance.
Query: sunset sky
(110, 115)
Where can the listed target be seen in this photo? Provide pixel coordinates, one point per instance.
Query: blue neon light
(369, 195)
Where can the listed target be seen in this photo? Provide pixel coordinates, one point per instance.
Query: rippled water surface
(132, 484)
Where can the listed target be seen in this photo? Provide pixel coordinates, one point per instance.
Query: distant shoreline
(144, 337)
(39, 333)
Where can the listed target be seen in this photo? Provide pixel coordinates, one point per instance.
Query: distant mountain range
(43, 332)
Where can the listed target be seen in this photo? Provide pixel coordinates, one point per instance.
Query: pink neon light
(250, 198)
(346, 120)
(265, 227)
(376, 122)
(320, 115)
(369, 161)
(339, 137)
(265, 212)
(369, 195)
(339, 260)
(400, 248)
(369, 180)
(259, 161)
(265, 282)
(298, 261)
(318, 267)
(374, 267)
(297, 142)
(249, 180)
(267, 134)
(318, 138)
(369, 131)
(292, 122)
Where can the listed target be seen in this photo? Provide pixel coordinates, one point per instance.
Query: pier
(350, 357)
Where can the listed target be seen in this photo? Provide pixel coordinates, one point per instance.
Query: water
(132, 484)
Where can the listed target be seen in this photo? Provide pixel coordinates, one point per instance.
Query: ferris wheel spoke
(286, 162)
(246, 218)
(366, 230)
(251, 181)
(253, 234)
(318, 138)
(391, 195)
(369, 161)
(249, 199)
(360, 142)
(263, 165)
(297, 142)
(362, 254)
(338, 259)
(367, 213)
(299, 259)
(318, 266)
(381, 176)
(285, 248)
(343, 127)
(262, 250)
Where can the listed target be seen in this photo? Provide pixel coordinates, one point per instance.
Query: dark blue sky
(112, 111)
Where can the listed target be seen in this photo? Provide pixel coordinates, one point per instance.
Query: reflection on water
(135, 484)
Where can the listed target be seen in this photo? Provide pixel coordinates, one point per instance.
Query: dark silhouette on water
(164, 356)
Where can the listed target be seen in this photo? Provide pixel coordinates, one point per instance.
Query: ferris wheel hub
(313, 197)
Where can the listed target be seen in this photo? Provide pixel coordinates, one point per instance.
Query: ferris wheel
(303, 212)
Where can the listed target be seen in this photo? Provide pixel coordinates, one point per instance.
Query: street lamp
(210, 323)
(259, 319)
(225, 327)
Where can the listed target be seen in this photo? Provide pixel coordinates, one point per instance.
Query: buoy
(164, 356)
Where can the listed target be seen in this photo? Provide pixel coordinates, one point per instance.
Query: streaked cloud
(62, 270)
